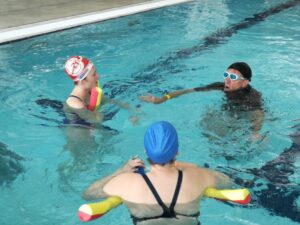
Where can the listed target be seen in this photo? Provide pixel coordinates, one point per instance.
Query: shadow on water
(85, 142)
(10, 165)
(57, 106)
(274, 185)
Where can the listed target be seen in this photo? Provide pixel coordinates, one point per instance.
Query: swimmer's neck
(157, 168)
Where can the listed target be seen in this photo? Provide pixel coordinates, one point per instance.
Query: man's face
(234, 85)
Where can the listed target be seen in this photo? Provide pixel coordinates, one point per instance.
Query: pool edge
(41, 28)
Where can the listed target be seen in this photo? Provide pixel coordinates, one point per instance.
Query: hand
(132, 164)
(259, 139)
(255, 137)
(124, 105)
(149, 98)
(134, 120)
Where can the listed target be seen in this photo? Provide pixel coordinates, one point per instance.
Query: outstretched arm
(157, 100)
(134, 111)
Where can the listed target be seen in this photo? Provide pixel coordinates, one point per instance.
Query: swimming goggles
(233, 76)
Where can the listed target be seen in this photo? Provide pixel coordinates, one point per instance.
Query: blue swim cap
(161, 142)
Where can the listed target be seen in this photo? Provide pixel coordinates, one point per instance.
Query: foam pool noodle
(88, 212)
(95, 98)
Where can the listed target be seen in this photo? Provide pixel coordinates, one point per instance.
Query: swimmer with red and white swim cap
(83, 72)
(86, 96)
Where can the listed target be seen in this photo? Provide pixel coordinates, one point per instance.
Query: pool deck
(21, 19)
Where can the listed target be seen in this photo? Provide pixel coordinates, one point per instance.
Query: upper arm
(215, 179)
(117, 185)
(94, 191)
(210, 87)
(221, 180)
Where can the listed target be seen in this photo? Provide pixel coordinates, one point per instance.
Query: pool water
(188, 45)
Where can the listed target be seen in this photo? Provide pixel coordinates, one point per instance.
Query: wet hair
(243, 68)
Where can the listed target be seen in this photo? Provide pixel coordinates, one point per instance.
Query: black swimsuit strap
(74, 96)
(178, 186)
(167, 211)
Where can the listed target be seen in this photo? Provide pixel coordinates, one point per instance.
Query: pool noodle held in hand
(88, 212)
(95, 99)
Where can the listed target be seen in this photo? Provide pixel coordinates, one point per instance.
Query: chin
(228, 89)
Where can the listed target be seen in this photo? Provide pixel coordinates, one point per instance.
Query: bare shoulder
(203, 176)
(125, 178)
(122, 184)
(75, 103)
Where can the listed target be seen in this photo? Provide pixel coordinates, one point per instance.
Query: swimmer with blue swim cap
(170, 192)
(161, 142)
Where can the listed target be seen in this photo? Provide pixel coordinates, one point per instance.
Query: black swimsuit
(167, 212)
(76, 120)
(74, 96)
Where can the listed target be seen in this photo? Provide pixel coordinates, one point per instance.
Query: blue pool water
(43, 171)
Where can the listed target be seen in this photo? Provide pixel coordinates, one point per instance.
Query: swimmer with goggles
(233, 76)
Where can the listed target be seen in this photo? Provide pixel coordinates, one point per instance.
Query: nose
(227, 80)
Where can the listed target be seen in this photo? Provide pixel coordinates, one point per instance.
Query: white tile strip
(21, 32)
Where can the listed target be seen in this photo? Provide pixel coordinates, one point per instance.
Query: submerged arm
(257, 118)
(93, 117)
(116, 102)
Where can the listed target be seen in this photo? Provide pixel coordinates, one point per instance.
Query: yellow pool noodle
(88, 212)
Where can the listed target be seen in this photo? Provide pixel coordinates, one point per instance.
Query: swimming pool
(166, 49)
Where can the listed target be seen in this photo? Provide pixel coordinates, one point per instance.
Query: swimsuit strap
(74, 96)
(168, 212)
(176, 193)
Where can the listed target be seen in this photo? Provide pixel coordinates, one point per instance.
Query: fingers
(134, 120)
(132, 164)
(136, 162)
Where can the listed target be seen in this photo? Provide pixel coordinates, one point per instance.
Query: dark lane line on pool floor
(221, 36)
(155, 72)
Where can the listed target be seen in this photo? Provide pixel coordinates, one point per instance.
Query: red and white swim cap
(78, 67)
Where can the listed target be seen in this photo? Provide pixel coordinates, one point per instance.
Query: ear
(245, 83)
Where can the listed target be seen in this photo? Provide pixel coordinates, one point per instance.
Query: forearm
(173, 94)
(118, 103)
(257, 121)
(180, 92)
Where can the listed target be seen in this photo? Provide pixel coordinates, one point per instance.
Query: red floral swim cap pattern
(78, 67)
